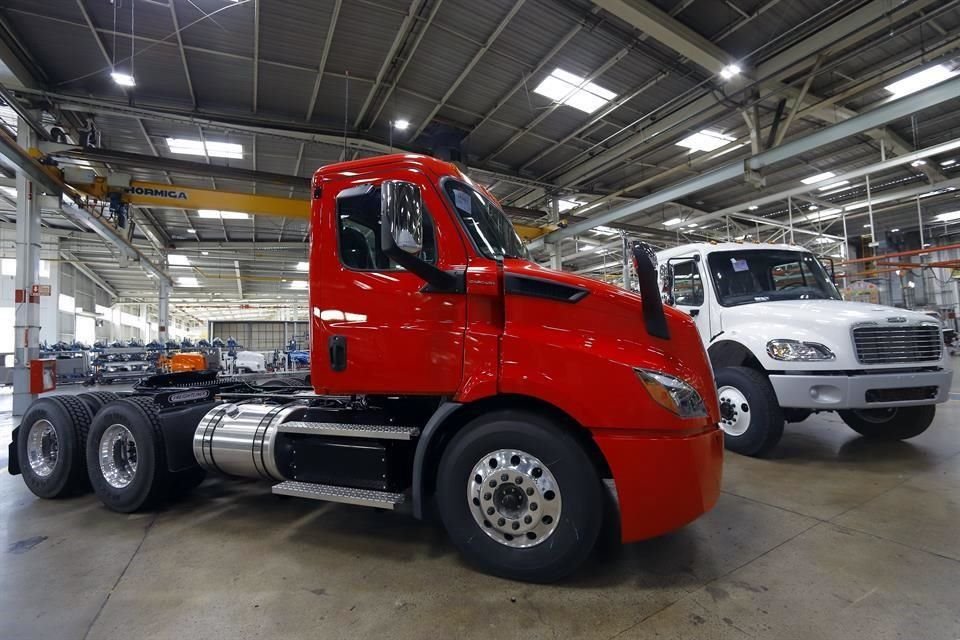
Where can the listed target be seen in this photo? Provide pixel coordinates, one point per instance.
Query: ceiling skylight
(707, 140)
(187, 281)
(948, 216)
(298, 284)
(175, 260)
(574, 91)
(833, 185)
(566, 205)
(920, 80)
(303, 266)
(187, 146)
(672, 222)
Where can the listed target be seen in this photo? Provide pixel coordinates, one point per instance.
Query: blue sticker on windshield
(739, 265)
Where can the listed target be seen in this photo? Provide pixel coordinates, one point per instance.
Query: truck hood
(818, 312)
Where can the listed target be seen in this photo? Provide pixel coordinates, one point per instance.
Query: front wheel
(894, 423)
(750, 416)
(520, 497)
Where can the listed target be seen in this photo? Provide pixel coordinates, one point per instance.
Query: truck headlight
(672, 393)
(796, 351)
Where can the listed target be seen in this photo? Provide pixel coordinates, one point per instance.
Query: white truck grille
(896, 345)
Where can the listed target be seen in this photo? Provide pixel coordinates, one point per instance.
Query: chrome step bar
(347, 495)
(378, 431)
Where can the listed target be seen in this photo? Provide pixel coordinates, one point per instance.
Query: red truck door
(377, 328)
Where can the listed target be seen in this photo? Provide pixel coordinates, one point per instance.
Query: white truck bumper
(866, 391)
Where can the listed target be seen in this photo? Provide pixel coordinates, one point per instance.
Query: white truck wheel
(750, 416)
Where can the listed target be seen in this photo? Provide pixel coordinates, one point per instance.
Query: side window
(358, 228)
(687, 287)
(786, 276)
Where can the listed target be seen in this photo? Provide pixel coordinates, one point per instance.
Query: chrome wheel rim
(43, 448)
(118, 456)
(514, 498)
(734, 411)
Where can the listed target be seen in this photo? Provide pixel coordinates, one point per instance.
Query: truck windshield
(489, 228)
(762, 275)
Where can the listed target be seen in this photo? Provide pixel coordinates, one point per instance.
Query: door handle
(694, 313)
(337, 346)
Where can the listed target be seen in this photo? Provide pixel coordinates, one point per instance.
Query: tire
(141, 479)
(569, 488)
(96, 399)
(896, 423)
(50, 446)
(750, 416)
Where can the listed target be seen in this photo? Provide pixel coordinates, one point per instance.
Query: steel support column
(26, 327)
(163, 312)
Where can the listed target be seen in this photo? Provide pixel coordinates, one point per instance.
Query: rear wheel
(750, 416)
(520, 497)
(96, 399)
(126, 458)
(894, 423)
(50, 444)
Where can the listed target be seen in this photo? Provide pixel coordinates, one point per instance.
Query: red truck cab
(448, 304)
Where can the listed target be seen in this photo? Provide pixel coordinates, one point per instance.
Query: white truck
(784, 344)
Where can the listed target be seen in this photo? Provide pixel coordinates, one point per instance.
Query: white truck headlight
(796, 351)
(672, 393)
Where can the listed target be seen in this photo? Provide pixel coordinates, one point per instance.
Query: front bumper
(867, 391)
(663, 483)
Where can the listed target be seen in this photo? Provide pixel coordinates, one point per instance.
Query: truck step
(347, 495)
(378, 431)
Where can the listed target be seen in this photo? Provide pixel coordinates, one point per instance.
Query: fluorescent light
(574, 91)
(823, 241)
(840, 189)
(187, 281)
(303, 266)
(191, 230)
(222, 215)
(920, 80)
(833, 185)
(298, 284)
(673, 222)
(10, 191)
(204, 253)
(401, 125)
(867, 226)
(123, 79)
(692, 225)
(947, 163)
(605, 231)
(820, 177)
(706, 140)
(175, 260)
(209, 148)
(752, 207)
(948, 216)
(894, 230)
(812, 207)
(918, 163)
(730, 71)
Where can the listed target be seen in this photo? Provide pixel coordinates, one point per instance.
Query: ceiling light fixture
(123, 79)
(214, 214)
(566, 205)
(190, 147)
(833, 185)
(948, 216)
(752, 207)
(299, 284)
(820, 177)
(918, 163)
(920, 80)
(672, 222)
(948, 163)
(401, 124)
(175, 260)
(895, 230)
(193, 231)
(303, 266)
(730, 71)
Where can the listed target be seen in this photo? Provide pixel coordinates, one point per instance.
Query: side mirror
(401, 223)
(401, 235)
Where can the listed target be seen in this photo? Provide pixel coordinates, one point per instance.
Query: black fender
(179, 426)
(430, 430)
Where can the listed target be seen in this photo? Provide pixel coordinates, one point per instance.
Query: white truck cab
(784, 344)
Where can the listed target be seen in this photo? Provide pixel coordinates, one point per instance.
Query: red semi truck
(457, 379)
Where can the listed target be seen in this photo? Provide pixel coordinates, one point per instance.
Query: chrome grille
(896, 345)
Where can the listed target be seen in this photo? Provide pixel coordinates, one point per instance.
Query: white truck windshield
(762, 275)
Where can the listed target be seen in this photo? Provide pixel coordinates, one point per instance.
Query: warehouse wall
(261, 335)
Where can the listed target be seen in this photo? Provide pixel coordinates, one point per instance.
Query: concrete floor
(834, 537)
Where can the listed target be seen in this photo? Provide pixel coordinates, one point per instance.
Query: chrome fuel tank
(239, 439)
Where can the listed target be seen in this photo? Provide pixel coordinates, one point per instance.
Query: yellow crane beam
(156, 194)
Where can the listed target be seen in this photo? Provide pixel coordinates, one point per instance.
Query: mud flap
(13, 464)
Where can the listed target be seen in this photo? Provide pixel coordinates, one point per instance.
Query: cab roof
(433, 165)
(711, 247)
